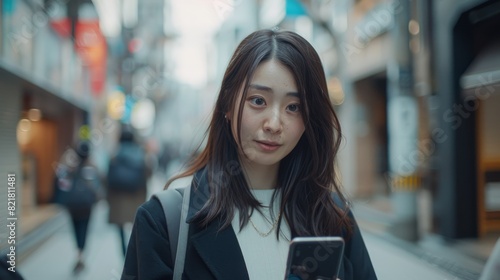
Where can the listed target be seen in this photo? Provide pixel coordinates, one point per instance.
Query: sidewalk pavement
(56, 258)
(394, 263)
(430, 251)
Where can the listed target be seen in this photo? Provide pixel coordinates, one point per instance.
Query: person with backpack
(127, 177)
(77, 188)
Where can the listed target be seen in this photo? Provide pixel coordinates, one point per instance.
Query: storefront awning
(484, 71)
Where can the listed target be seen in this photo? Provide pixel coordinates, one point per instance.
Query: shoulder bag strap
(175, 207)
(183, 235)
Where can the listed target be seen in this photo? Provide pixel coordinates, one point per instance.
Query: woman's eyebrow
(270, 90)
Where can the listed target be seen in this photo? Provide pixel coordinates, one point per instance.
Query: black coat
(210, 254)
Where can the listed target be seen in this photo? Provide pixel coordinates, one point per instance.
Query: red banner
(90, 44)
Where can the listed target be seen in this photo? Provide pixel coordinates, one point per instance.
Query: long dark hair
(307, 176)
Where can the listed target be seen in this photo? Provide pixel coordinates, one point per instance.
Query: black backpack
(127, 170)
(77, 189)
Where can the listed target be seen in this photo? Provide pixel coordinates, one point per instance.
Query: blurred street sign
(294, 8)
(403, 127)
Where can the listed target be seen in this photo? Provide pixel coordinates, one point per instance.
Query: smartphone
(314, 258)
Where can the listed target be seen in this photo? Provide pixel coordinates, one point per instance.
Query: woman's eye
(294, 107)
(259, 101)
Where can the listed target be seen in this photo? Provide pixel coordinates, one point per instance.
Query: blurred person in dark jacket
(77, 188)
(127, 177)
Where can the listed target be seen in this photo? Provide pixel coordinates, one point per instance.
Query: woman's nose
(273, 122)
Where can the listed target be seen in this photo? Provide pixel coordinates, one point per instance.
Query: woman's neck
(260, 176)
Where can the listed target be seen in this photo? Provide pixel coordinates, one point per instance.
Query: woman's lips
(268, 146)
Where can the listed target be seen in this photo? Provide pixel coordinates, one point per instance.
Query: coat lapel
(221, 252)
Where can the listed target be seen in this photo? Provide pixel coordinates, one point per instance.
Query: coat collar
(200, 193)
(219, 250)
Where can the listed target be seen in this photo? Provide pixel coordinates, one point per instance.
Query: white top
(265, 257)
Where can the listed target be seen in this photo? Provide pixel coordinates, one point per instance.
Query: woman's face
(271, 123)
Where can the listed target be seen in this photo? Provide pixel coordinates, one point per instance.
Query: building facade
(420, 84)
(465, 68)
(46, 96)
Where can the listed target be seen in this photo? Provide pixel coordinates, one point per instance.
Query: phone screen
(314, 258)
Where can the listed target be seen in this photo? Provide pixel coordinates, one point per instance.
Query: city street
(393, 104)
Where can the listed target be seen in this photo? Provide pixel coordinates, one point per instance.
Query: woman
(266, 175)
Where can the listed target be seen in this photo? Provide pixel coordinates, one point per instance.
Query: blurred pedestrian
(169, 158)
(267, 174)
(78, 188)
(127, 177)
